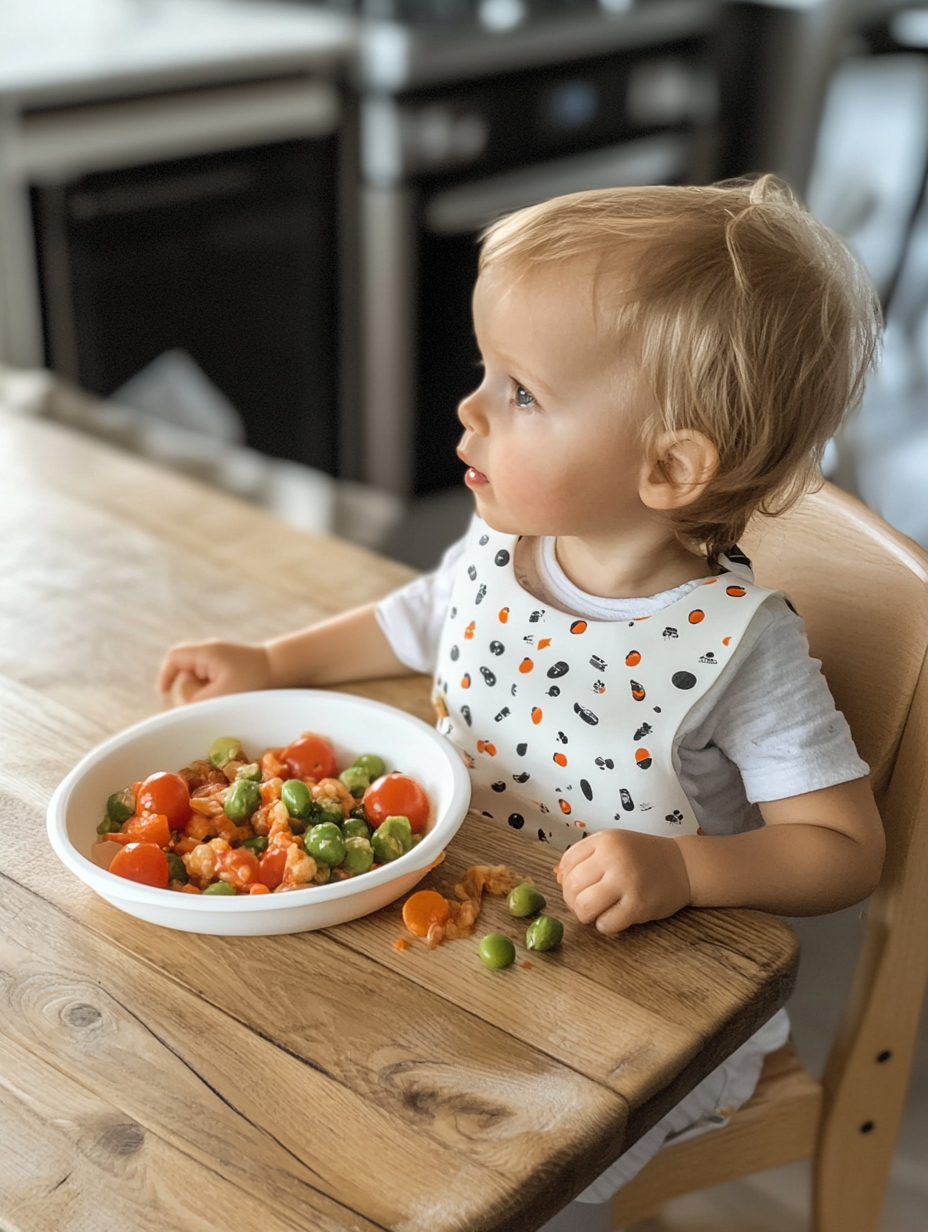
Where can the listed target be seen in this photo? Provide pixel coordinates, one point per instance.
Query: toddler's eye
(523, 396)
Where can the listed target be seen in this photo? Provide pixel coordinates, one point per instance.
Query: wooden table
(154, 1080)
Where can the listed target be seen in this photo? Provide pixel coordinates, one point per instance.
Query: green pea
(108, 826)
(177, 869)
(251, 771)
(324, 842)
(525, 900)
(392, 839)
(295, 795)
(544, 933)
(258, 844)
(372, 765)
(496, 951)
(242, 799)
(322, 874)
(120, 806)
(359, 855)
(356, 780)
(219, 888)
(355, 827)
(223, 749)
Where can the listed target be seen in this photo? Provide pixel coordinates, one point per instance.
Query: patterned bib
(568, 725)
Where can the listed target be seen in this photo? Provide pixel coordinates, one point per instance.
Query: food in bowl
(228, 825)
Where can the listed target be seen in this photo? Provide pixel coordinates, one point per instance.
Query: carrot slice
(423, 909)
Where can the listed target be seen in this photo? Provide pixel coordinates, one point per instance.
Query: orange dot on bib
(561, 759)
(526, 666)
(696, 615)
(632, 659)
(537, 715)
(736, 592)
(564, 806)
(465, 680)
(545, 641)
(578, 626)
(643, 758)
(503, 615)
(469, 631)
(726, 641)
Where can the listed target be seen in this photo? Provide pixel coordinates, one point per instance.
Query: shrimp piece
(196, 775)
(434, 936)
(299, 869)
(201, 862)
(484, 879)
(270, 790)
(271, 767)
(206, 806)
(279, 823)
(199, 828)
(334, 789)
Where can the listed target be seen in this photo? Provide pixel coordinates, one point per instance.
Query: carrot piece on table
(400, 944)
(423, 909)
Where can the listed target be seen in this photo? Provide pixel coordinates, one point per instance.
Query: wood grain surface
(155, 1080)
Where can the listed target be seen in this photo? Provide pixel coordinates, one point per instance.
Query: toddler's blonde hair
(751, 321)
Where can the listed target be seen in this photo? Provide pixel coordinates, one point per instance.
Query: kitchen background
(239, 236)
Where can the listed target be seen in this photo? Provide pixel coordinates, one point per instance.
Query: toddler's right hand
(193, 671)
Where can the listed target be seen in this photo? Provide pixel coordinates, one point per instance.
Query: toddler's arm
(350, 646)
(816, 853)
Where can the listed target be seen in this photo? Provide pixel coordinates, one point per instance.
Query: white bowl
(260, 720)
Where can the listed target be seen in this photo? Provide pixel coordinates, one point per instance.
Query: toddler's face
(551, 434)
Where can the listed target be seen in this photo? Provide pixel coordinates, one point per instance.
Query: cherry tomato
(167, 794)
(148, 828)
(142, 862)
(396, 795)
(309, 757)
(238, 866)
(271, 868)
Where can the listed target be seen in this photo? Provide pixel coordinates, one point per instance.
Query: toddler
(659, 365)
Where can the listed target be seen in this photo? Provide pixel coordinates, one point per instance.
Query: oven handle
(660, 159)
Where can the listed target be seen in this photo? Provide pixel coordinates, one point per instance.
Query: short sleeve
(777, 720)
(412, 618)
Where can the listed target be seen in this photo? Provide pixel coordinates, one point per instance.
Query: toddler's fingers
(178, 659)
(185, 688)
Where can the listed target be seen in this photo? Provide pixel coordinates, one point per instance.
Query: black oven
(229, 254)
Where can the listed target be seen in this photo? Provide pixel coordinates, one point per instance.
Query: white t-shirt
(768, 728)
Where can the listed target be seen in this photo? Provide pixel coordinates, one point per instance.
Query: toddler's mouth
(474, 478)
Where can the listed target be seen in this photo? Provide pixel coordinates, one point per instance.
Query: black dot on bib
(484, 540)
(501, 558)
(498, 786)
(683, 680)
(521, 749)
(516, 820)
(471, 573)
(586, 789)
(455, 654)
(497, 648)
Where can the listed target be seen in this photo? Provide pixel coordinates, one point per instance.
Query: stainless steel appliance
(456, 130)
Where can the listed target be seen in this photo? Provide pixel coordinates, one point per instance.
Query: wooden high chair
(862, 590)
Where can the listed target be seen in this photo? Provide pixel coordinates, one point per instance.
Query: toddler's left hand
(619, 877)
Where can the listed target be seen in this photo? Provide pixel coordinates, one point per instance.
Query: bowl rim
(101, 880)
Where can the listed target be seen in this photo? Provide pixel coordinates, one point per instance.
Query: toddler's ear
(678, 469)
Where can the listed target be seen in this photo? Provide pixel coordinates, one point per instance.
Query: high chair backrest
(862, 590)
